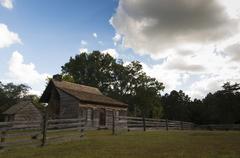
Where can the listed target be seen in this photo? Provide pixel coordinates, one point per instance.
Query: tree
(176, 105)
(223, 106)
(197, 112)
(10, 94)
(228, 88)
(126, 83)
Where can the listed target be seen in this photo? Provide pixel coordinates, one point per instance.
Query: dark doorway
(102, 117)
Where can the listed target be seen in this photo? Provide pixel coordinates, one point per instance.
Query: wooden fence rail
(219, 127)
(141, 123)
(39, 133)
(47, 131)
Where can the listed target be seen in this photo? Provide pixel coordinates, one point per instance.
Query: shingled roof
(81, 92)
(15, 108)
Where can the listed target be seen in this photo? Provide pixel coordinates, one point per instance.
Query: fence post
(144, 123)
(113, 123)
(166, 124)
(81, 120)
(3, 135)
(81, 127)
(44, 128)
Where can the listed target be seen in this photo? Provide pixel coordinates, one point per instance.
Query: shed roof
(15, 108)
(80, 92)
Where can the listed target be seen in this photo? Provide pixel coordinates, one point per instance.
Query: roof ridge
(68, 91)
(77, 84)
(76, 87)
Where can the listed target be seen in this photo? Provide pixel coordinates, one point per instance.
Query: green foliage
(128, 83)
(175, 105)
(10, 94)
(221, 107)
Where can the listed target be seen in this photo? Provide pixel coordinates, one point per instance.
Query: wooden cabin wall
(69, 106)
(91, 115)
(109, 118)
(91, 112)
(54, 104)
(28, 113)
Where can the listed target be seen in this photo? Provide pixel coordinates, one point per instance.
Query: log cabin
(69, 100)
(25, 111)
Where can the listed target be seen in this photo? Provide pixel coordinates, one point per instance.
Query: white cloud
(7, 37)
(111, 52)
(116, 39)
(7, 4)
(20, 72)
(233, 51)
(177, 73)
(157, 26)
(198, 41)
(95, 35)
(83, 42)
(83, 50)
(170, 79)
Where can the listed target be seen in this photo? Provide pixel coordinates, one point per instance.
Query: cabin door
(102, 117)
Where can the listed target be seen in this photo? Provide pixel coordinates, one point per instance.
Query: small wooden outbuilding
(70, 100)
(25, 110)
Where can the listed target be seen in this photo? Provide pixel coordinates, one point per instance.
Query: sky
(192, 45)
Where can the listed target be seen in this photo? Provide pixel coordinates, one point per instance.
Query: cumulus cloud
(197, 41)
(154, 26)
(179, 73)
(184, 64)
(7, 37)
(111, 52)
(7, 4)
(116, 39)
(20, 72)
(233, 51)
(170, 79)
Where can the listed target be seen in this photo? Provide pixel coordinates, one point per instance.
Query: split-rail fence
(40, 133)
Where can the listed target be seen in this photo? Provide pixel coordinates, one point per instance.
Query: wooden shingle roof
(76, 87)
(81, 92)
(15, 108)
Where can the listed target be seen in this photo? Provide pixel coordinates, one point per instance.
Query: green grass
(155, 144)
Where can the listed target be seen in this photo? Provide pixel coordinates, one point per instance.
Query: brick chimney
(57, 77)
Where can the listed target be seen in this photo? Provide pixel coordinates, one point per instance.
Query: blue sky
(38, 37)
(52, 30)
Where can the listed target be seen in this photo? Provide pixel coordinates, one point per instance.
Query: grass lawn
(150, 144)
